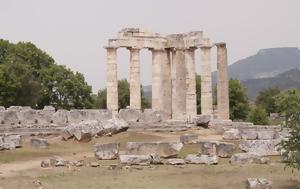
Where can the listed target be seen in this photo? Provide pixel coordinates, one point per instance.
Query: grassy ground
(223, 176)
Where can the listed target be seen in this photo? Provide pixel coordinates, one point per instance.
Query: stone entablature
(173, 72)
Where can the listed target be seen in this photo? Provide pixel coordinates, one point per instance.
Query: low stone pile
(85, 130)
(10, 142)
(258, 183)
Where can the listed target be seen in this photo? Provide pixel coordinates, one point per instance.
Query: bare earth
(20, 168)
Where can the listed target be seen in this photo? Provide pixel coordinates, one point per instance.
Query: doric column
(179, 84)
(191, 100)
(222, 82)
(156, 78)
(206, 85)
(112, 80)
(135, 83)
(166, 83)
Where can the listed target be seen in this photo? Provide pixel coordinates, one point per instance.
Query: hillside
(283, 81)
(266, 63)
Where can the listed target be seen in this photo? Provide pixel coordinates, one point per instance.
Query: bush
(258, 116)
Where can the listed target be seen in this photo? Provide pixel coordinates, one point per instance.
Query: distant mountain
(266, 63)
(286, 80)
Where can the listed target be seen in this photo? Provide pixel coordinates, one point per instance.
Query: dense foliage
(258, 116)
(267, 100)
(238, 100)
(289, 105)
(30, 77)
(124, 96)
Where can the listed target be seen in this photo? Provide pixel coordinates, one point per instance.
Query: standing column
(222, 82)
(112, 81)
(191, 100)
(156, 78)
(166, 83)
(179, 85)
(135, 83)
(206, 85)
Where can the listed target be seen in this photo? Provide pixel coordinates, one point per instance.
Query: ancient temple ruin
(173, 72)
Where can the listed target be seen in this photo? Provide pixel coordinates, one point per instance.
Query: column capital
(205, 46)
(110, 47)
(134, 48)
(156, 49)
(220, 44)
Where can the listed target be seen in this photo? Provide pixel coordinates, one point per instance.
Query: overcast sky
(74, 32)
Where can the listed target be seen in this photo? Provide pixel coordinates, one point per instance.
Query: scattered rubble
(202, 159)
(258, 183)
(174, 161)
(249, 158)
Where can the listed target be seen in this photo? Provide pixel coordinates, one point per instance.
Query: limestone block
(232, 134)
(189, 139)
(39, 143)
(174, 161)
(130, 115)
(135, 159)
(267, 135)
(114, 126)
(60, 117)
(248, 158)
(82, 135)
(202, 120)
(248, 134)
(225, 149)
(261, 147)
(163, 149)
(10, 117)
(49, 109)
(13, 141)
(2, 108)
(202, 159)
(57, 161)
(152, 116)
(258, 183)
(107, 151)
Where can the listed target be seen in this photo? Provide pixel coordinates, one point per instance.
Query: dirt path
(12, 169)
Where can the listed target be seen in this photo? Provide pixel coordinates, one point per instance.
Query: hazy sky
(74, 32)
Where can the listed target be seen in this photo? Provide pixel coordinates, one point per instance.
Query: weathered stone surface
(258, 183)
(94, 164)
(262, 147)
(175, 161)
(248, 158)
(231, 134)
(248, 134)
(267, 135)
(189, 139)
(152, 116)
(225, 149)
(60, 117)
(135, 159)
(12, 142)
(130, 115)
(163, 149)
(202, 120)
(115, 126)
(57, 161)
(207, 147)
(107, 151)
(39, 143)
(45, 163)
(10, 117)
(2, 108)
(202, 159)
(82, 135)
(1, 143)
(156, 159)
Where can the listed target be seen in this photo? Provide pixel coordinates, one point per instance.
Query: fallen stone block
(248, 158)
(189, 139)
(163, 149)
(94, 164)
(202, 120)
(225, 149)
(45, 163)
(39, 143)
(207, 147)
(262, 147)
(156, 160)
(130, 115)
(12, 141)
(258, 183)
(152, 116)
(174, 161)
(135, 159)
(107, 151)
(267, 135)
(114, 126)
(231, 134)
(57, 161)
(82, 135)
(248, 134)
(202, 159)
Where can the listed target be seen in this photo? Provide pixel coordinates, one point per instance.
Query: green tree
(198, 93)
(238, 100)
(30, 77)
(258, 116)
(267, 100)
(289, 106)
(124, 96)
